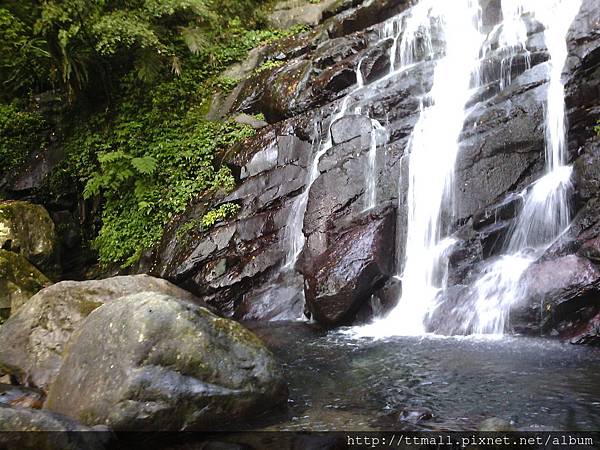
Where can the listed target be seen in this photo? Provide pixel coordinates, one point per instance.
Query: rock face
(51, 431)
(33, 339)
(28, 230)
(164, 364)
(345, 276)
(239, 263)
(299, 12)
(19, 281)
(557, 290)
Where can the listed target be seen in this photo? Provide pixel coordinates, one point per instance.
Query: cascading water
(512, 40)
(545, 213)
(434, 138)
(295, 236)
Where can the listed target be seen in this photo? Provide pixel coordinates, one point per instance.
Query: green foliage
(269, 65)
(226, 84)
(188, 226)
(19, 135)
(143, 73)
(74, 44)
(148, 178)
(154, 154)
(223, 212)
(597, 128)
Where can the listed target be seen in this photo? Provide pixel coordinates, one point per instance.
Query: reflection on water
(338, 382)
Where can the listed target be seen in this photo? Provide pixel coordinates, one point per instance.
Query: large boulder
(33, 339)
(28, 230)
(24, 428)
(340, 280)
(164, 364)
(19, 281)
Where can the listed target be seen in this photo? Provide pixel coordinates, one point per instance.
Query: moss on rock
(164, 364)
(19, 281)
(28, 230)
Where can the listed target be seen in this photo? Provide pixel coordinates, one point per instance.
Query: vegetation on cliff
(133, 80)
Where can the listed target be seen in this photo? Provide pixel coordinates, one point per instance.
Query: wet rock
(350, 127)
(414, 415)
(19, 281)
(364, 15)
(586, 171)
(381, 302)
(251, 121)
(502, 147)
(165, 364)
(28, 230)
(344, 277)
(230, 265)
(34, 338)
(556, 291)
(281, 299)
(46, 431)
(588, 334)
(21, 396)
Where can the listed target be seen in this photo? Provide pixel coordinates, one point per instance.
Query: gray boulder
(46, 430)
(558, 290)
(34, 337)
(164, 364)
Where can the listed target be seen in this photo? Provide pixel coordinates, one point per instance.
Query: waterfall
(545, 213)
(432, 152)
(295, 236)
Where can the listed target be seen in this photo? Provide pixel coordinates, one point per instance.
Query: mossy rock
(34, 337)
(28, 230)
(155, 363)
(19, 281)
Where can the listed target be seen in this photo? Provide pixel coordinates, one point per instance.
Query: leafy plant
(20, 134)
(269, 65)
(223, 212)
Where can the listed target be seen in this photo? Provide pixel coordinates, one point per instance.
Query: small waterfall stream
(434, 138)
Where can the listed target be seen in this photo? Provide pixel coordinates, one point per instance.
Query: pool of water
(340, 382)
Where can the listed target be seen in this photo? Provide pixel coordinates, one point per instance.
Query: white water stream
(433, 151)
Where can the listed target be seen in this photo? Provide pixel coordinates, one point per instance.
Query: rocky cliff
(239, 266)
